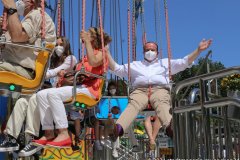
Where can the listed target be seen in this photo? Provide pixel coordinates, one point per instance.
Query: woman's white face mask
(20, 7)
(150, 55)
(59, 50)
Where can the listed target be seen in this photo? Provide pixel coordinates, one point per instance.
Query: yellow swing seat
(29, 86)
(83, 101)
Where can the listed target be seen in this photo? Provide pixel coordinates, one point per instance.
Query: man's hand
(9, 4)
(85, 36)
(204, 44)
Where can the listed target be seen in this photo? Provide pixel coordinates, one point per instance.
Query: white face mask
(20, 7)
(112, 91)
(59, 50)
(150, 55)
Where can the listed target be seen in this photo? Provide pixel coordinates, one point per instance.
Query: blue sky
(189, 22)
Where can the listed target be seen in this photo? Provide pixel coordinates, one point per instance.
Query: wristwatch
(11, 11)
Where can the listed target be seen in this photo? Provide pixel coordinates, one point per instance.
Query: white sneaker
(115, 153)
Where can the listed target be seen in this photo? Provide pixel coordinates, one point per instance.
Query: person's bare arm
(15, 28)
(93, 59)
(203, 45)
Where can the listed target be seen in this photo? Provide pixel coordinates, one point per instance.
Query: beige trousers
(5, 66)
(25, 108)
(160, 102)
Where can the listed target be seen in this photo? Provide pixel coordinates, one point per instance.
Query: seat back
(41, 66)
(87, 100)
(30, 86)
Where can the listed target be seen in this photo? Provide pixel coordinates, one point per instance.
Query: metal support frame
(200, 133)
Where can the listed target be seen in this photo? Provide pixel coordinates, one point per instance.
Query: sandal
(152, 146)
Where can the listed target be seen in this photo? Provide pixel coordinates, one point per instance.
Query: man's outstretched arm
(203, 45)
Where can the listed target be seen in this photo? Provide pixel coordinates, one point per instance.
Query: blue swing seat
(107, 102)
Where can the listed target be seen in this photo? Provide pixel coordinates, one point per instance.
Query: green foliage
(191, 72)
(231, 82)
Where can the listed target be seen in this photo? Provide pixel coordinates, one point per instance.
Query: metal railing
(204, 129)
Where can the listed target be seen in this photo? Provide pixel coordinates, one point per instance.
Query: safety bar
(208, 76)
(209, 104)
(82, 71)
(2, 41)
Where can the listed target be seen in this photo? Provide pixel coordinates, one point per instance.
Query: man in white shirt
(150, 81)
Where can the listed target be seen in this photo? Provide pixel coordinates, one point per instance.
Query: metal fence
(125, 149)
(203, 128)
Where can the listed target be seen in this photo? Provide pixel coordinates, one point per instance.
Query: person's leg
(17, 117)
(14, 126)
(149, 129)
(33, 117)
(160, 101)
(5, 66)
(138, 101)
(77, 117)
(55, 98)
(156, 126)
(45, 113)
(77, 126)
(97, 132)
(38, 103)
(98, 145)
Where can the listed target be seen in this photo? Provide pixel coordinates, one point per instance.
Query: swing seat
(22, 84)
(84, 101)
(149, 108)
(108, 102)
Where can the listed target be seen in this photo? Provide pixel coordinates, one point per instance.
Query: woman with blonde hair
(50, 101)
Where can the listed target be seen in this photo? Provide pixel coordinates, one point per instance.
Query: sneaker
(136, 148)
(116, 144)
(29, 150)
(115, 153)
(9, 144)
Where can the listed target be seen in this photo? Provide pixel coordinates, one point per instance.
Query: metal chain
(43, 25)
(83, 26)
(133, 31)
(129, 74)
(168, 41)
(59, 19)
(4, 29)
(102, 37)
